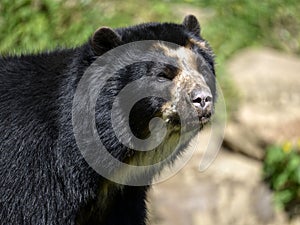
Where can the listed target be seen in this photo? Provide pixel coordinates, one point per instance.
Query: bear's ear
(105, 39)
(191, 23)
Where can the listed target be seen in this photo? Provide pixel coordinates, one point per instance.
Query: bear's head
(187, 84)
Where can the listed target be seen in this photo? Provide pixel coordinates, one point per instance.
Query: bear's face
(192, 85)
(189, 84)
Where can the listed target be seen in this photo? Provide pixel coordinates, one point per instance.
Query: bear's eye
(162, 77)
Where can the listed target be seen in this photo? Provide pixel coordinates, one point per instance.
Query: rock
(261, 202)
(269, 83)
(240, 139)
(229, 192)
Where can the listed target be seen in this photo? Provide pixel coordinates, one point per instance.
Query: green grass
(244, 23)
(282, 173)
(31, 25)
(35, 25)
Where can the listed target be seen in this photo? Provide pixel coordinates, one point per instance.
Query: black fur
(44, 178)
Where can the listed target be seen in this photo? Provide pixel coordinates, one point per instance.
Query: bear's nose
(202, 99)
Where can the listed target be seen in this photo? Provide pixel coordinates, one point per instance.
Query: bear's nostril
(201, 99)
(208, 99)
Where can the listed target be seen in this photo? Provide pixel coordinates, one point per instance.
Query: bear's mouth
(190, 123)
(205, 118)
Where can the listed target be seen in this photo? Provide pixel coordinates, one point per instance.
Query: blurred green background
(34, 25)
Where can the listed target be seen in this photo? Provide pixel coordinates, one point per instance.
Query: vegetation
(33, 25)
(243, 23)
(282, 172)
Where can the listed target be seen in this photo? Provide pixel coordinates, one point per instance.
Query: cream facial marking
(200, 44)
(187, 79)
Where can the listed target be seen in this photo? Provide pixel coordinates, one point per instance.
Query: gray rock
(269, 83)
